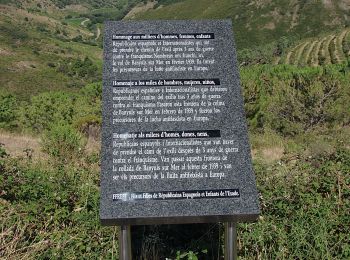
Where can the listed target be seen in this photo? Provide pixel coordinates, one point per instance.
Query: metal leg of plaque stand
(125, 243)
(230, 241)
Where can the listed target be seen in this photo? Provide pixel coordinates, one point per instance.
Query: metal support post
(230, 241)
(125, 243)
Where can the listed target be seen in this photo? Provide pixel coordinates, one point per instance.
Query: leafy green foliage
(3, 152)
(291, 100)
(52, 212)
(62, 142)
(3, 155)
(304, 209)
(50, 108)
(5, 1)
(46, 109)
(79, 68)
(8, 110)
(13, 33)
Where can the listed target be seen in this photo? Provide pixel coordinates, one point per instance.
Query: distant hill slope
(57, 44)
(42, 50)
(64, 3)
(331, 48)
(53, 44)
(258, 22)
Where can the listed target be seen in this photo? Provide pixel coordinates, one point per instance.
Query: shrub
(89, 102)
(47, 108)
(8, 110)
(292, 100)
(78, 68)
(62, 142)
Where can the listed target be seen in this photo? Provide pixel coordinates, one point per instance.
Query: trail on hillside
(314, 55)
(299, 53)
(315, 61)
(85, 21)
(327, 53)
(290, 53)
(288, 57)
(307, 56)
(98, 33)
(336, 50)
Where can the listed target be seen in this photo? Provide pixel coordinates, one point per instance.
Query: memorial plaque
(174, 141)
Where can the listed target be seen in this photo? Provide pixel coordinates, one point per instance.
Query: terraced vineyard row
(334, 48)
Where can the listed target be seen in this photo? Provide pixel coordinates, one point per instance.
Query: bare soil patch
(24, 65)
(271, 154)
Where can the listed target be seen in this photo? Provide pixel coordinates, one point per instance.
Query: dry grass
(20, 145)
(12, 237)
(270, 26)
(271, 154)
(269, 147)
(5, 52)
(24, 65)
(92, 145)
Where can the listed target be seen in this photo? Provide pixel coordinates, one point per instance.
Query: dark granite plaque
(174, 140)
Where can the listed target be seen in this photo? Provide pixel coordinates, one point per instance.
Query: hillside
(57, 45)
(260, 21)
(327, 49)
(53, 45)
(43, 52)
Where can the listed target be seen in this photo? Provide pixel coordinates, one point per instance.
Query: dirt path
(336, 50)
(98, 33)
(288, 57)
(290, 53)
(300, 52)
(16, 145)
(307, 56)
(85, 21)
(325, 50)
(314, 61)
